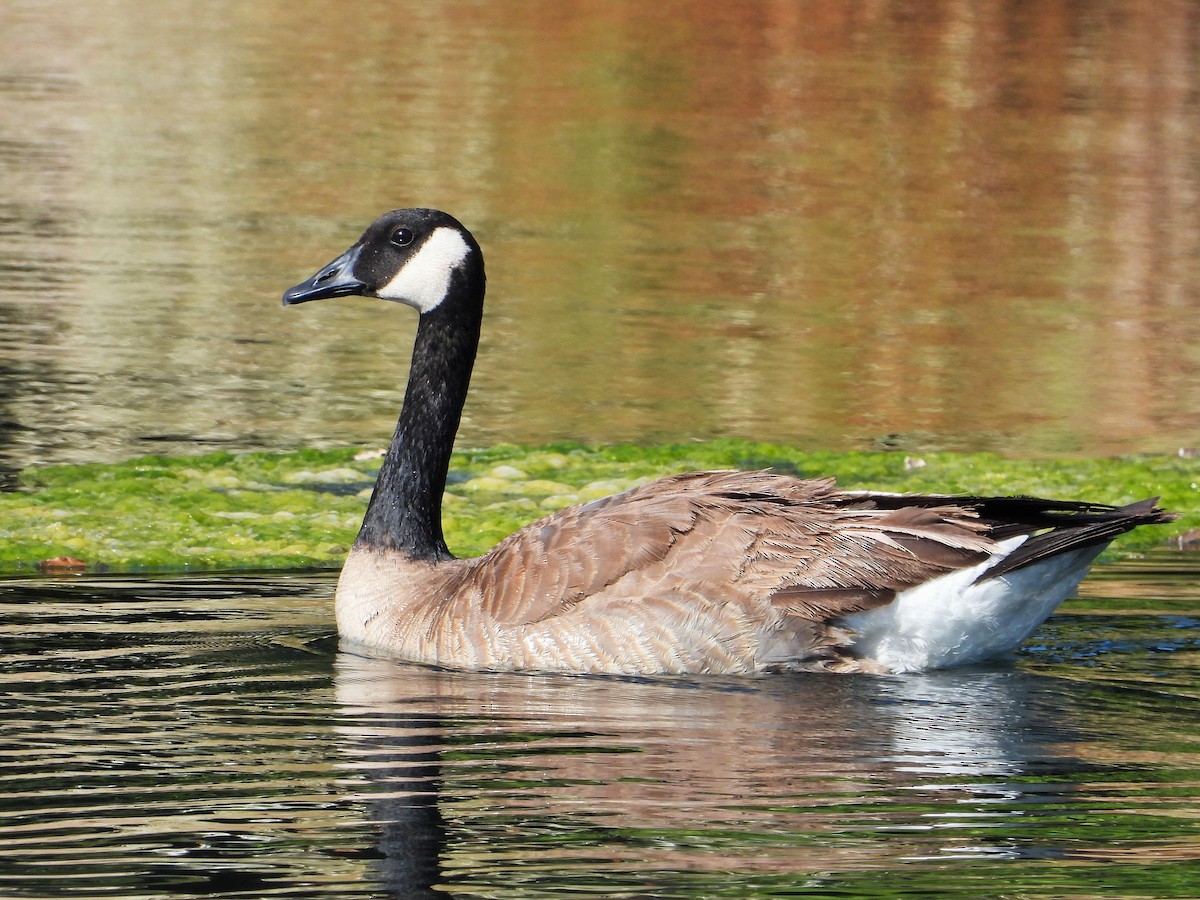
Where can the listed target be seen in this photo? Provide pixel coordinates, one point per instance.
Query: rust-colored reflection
(966, 224)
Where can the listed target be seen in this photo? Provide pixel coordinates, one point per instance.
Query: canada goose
(709, 572)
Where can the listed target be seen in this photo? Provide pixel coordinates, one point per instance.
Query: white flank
(952, 621)
(424, 280)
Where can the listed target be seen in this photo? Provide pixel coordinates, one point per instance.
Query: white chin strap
(425, 279)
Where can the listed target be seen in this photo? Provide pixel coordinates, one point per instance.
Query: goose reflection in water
(512, 777)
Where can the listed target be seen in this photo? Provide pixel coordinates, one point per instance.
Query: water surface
(959, 225)
(206, 736)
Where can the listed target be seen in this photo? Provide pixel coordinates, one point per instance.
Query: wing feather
(798, 546)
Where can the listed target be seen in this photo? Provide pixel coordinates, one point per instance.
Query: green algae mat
(302, 509)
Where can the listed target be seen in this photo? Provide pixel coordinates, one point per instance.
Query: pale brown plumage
(734, 572)
(800, 545)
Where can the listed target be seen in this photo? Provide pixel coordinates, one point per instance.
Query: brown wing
(747, 537)
(552, 564)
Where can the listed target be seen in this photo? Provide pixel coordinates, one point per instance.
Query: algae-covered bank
(302, 509)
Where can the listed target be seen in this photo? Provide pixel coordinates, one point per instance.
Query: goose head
(420, 257)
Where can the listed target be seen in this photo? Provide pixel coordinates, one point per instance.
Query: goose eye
(401, 237)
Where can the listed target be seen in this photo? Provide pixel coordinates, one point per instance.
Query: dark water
(964, 224)
(206, 736)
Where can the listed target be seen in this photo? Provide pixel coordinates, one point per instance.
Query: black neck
(405, 512)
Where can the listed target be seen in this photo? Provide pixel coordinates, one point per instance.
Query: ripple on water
(206, 736)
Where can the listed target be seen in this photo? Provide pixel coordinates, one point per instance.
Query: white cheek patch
(424, 280)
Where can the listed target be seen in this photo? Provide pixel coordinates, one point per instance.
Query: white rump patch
(424, 280)
(954, 620)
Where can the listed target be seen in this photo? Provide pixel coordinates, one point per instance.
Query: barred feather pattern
(711, 572)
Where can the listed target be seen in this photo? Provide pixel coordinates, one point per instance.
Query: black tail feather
(1096, 527)
(1056, 526)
